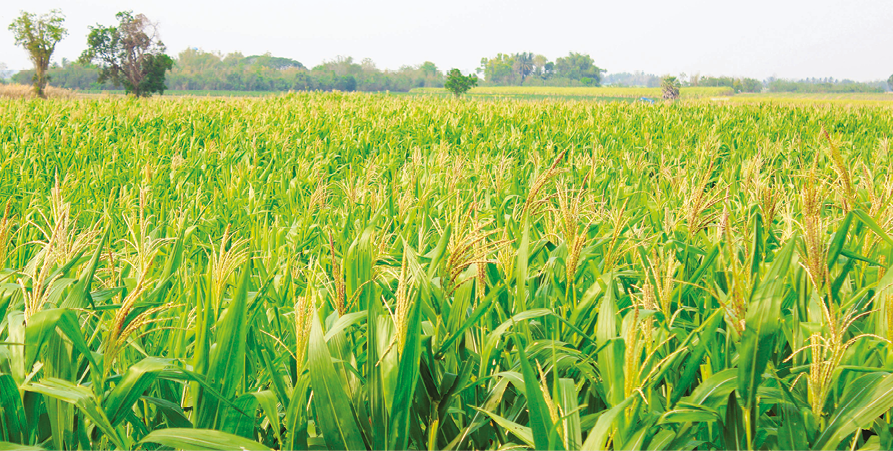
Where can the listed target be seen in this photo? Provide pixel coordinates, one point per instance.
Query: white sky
(757, 38)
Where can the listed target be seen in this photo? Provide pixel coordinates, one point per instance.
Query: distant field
(853, 99)
(602, 94)
(195, 93)
(550, 91)
(883, 96)
(437, 92)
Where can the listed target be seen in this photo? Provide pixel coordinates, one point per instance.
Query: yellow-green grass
(17, 91)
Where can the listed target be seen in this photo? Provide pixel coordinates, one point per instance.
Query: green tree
(523, 64)
(539, 63)
(670, 85)
(890, 82)
(129, 55)
(499, 70)
(429, 69)
(39, 36)
(459, 84)
(747, 85)
(274, 62)
(579, 66)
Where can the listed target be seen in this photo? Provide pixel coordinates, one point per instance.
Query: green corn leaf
(791, 428)
(475, 317)
(438, 252)
(493, 400)
(567, 400)
(661, 440)
(7, 446)
(839, 239)
(79, 296)
(13, 411)
(227, 360)
(733, 428)
(521, 268)
(598, 436)
(540, 420)
(295, 417)
(688, 414)
(343, 322)
(131, 387)
(713, 391)
(524, 433)
(705, 333)
(494, 337)
(83, 398)
(201, 439)
(45, 322)
(407, 379)
(239, 419)
(610, 357)
(761, 323)
(756, 257)
(337, 422)
(873, 225)
(868, 398)
(269, 403)
(172, 412)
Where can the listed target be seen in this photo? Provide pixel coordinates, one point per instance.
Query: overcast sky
(757, 38)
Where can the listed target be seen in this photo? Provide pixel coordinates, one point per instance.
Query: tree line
(528, 69)
(195, 69)
(744, 84)
(130, 55)
(827, 85)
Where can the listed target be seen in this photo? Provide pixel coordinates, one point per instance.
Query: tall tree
(579, 66)
(459, 84)
(499, 70)
(523, 64)
(670, 86)
(539, 63)
(39, 36)
(129, 55)
(890, 82)
(429, 69)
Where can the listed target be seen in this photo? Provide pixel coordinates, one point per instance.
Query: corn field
(581, 91)
(347, 271)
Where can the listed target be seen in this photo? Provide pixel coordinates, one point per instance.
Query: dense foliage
(459, 84)
(527, 69)
(196, 70)
(372, 272)
(129, 55)
(819, 85)
(637, 78)
(38, 35)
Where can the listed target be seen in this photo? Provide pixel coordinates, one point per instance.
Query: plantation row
(371, 272)
(606, 91)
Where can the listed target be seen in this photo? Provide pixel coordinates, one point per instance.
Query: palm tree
(523, 64)
(670, 86)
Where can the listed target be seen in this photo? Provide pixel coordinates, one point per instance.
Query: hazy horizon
(795, 40)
